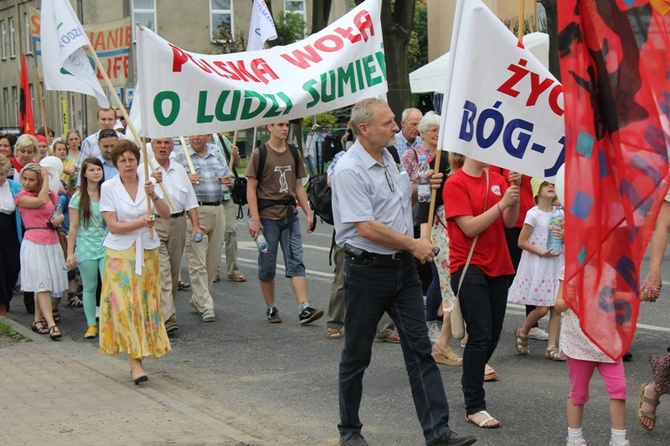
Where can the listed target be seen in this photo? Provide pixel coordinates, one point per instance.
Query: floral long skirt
(130, 306)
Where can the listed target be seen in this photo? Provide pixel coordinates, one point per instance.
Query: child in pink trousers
(583, 358)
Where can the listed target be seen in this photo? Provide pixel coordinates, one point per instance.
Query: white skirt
(43, 268)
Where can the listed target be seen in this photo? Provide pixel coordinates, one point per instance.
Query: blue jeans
(279, 231)
(483, 302)
(370, 288)
(433, 296)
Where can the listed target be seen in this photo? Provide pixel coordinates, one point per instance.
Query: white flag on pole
(64, 61)
(502, 107)
(262, 27)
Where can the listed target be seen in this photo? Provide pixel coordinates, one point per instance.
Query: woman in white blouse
(130, 315)
(10, 242)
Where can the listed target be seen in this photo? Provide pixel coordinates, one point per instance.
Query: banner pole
(187, 155)
(231, 163)
(522, 19)
(433, 196)
(136, 135)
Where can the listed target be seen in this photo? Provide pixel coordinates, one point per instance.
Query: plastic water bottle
(197, 237)
(58, 211)
(261, 243)
(423, 189)
(555, 221)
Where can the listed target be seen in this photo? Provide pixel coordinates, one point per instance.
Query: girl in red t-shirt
(478, 206)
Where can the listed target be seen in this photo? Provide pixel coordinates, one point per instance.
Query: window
(26, 20)
(144, 12)
(296, 6)
(3, 30)
(15, 97)
(12, 38)
(221, 22)
(5, 98)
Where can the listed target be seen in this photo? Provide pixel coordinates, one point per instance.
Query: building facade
(193, 25)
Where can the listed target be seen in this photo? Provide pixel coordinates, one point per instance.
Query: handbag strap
(474, 242)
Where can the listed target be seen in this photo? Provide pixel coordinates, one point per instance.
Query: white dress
(537, 278)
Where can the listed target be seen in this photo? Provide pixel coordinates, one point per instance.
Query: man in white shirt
(172, 232)
(408, 136)
(90, 145)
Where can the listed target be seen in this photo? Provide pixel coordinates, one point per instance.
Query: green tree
(418, 44)
(290, 28)
(397, 19)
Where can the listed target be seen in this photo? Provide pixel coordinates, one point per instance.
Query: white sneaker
(539, 335)
(433, 331)
(618, 443)
(578, 442)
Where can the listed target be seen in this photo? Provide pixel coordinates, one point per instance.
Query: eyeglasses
(107, 133)
(121, 118)
(433, 130)
(389, 180)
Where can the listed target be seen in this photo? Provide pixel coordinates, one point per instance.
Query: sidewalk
(66, 393)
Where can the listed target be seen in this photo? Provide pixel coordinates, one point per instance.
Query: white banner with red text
(185, 93)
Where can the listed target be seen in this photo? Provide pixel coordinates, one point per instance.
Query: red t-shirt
(18, 167)
(465, 195)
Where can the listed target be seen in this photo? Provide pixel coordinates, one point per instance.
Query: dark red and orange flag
(615, 69)
(26, 118)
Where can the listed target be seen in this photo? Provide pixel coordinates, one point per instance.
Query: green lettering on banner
(221, 115)
(359, 73)
(274, 108)
(287, 102)
(344, 77)
(370, 68)
(325, 95)
(308, 87)
(381, 60)
(247, 113)
(175, 105)
(202, 105)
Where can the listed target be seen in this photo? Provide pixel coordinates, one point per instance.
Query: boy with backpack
(274, 176)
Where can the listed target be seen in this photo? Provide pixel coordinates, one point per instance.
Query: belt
(178, 214)
(395, 256)
(209, 203)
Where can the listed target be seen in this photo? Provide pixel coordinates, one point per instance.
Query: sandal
(56, 314)
(447, 356)
(334, 333)
(181, 285)
(554, 354)
(55, 333)
(521, 342)
(40, 327)
(490, 374)
(485, 422)
(138, 379)
(641, 413)
(237, 278)
(74, 301)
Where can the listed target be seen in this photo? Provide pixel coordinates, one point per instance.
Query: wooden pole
(433, 197)
(187, 155)
(134, 131)
(231, 163)
(143, 146)
(522, 19)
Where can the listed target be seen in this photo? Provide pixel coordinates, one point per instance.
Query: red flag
(615, 69)
(26, 118)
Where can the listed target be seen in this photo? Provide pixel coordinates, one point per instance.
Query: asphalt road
(285, 375)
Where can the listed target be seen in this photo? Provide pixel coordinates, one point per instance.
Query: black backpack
(320, 197)
(239, 192)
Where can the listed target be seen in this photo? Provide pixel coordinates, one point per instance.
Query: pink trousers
(581, 371)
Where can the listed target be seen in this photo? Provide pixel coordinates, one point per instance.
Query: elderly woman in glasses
(10, 243)
(429, 128)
